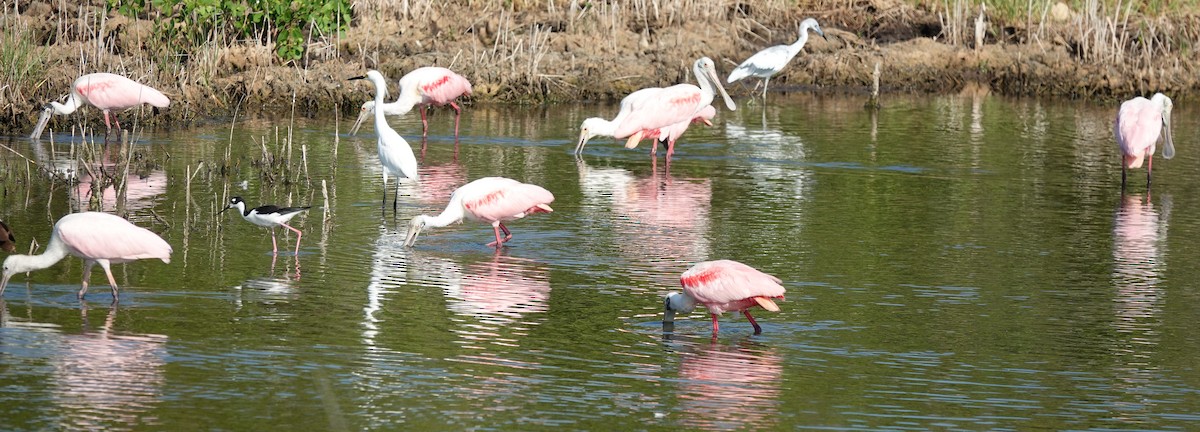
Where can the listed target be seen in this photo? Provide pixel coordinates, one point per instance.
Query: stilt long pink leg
(298, 236)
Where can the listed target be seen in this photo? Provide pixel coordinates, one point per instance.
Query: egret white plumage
(394, 152)
(768, 62)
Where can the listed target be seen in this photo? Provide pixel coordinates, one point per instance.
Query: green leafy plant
(288, 23)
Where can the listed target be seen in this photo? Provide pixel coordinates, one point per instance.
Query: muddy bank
(557, 51)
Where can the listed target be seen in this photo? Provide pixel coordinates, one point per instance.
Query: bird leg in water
(754, 323)
(424, 123)
(1122, 176)
(1149, 169)
(457, 113)
(500, 241)
(111, 280)
(298, 236)
(716, 327)
(274, 245)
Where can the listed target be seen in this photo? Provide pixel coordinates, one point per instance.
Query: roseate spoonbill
(7, 241)
(105, 91)
(268, 216)
(489, 199)
(721, 286)
(430, 85)
(649, 109)
(96, 238)
(670, 134)
(1139, 124)
(768, 62)
(394, 152)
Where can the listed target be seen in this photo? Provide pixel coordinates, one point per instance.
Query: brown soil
(530, 54)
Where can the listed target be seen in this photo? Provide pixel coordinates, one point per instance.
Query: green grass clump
(20, 58)
(289, 23)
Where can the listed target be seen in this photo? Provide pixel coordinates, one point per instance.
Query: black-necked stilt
(394, 152)
(7, 241)
(268, 216)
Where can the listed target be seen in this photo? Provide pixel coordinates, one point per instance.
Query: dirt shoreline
(537, 54)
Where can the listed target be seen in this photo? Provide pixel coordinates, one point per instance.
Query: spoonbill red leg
(499, 242)
(457, 114)
(87, 273)
(754, 323)
(716, 327)
(424, 123)
(1149, 168)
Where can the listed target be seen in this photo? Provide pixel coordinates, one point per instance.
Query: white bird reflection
(389, 270)
(100, 379)
(725, 387)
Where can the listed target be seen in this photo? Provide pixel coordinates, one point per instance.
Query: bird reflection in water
(141, 191)
(100, 379)
(727, 387)
(1139, 231)
(659, 217)
(1139, 236)
(501, 290)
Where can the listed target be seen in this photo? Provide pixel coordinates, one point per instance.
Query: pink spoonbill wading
(436, 86)
(770, 61)
(647, 110)
(96, 238)
(1139, 124)
(670, 134)
(395, 154)
(722, 286)
(268, 216)
(492, 200)
(105, 91)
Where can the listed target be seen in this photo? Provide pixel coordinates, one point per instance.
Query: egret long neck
(380, 95)
(453, 213)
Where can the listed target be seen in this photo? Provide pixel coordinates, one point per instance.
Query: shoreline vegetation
(212, 57)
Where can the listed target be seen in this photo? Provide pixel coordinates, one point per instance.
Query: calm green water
(951, 263)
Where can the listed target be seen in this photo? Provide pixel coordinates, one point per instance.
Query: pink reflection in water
(501, 290)
(730, 387)
(103, 379)
(1138, 232)
(141, 192)
(657, 218)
